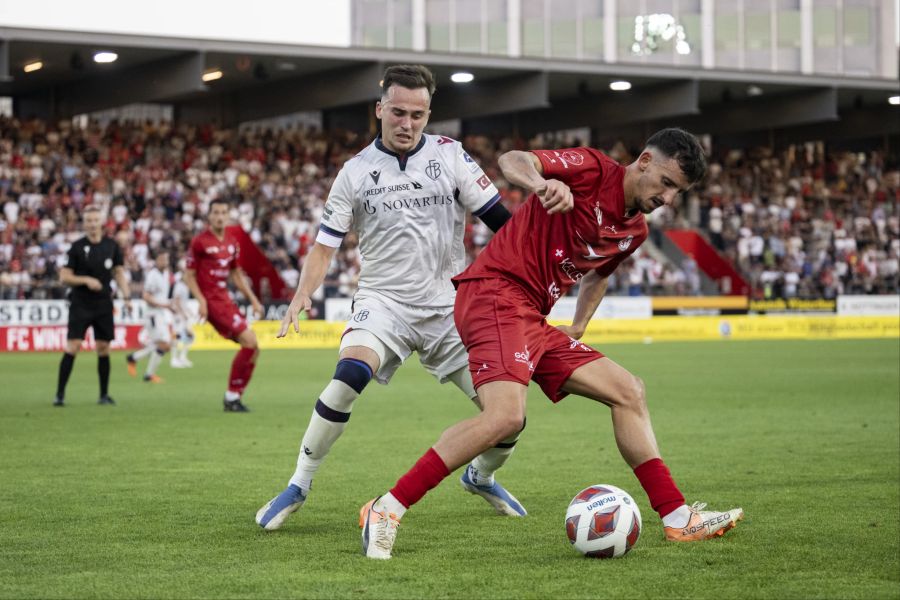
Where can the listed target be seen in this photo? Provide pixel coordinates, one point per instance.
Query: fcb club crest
(433, 170)
(626, 243)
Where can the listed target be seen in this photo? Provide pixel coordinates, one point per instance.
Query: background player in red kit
(211, 263)
(501, 306)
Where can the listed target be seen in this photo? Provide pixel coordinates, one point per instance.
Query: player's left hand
(127, 305)
(570, 330)
(258, 309)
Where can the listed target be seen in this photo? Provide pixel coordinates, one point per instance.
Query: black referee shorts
(98, 315)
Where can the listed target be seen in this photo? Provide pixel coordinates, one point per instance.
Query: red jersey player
(501, 306)
(211, 263)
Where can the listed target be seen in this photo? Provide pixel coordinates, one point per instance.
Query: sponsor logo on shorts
(525, 358)
(624, 244)
(484, 367)
(573, 343)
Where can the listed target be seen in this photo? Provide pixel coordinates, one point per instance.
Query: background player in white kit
(406, 194)
(158, 321)
(184, 318)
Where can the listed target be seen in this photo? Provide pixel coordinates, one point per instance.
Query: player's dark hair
(91, 208)
(412, 77)
(219, 201)
(683, 147)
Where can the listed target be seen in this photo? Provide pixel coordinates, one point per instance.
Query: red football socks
(660, 487)
(426, 474)
(241, 369)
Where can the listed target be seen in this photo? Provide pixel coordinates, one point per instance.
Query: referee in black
(92, 263)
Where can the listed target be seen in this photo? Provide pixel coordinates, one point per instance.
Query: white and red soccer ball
(603, 521)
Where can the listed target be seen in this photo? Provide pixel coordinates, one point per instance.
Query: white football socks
(679, 517)
(153, 363)
(321, 433)
(482, 469)
(145, 351)
(390, 504)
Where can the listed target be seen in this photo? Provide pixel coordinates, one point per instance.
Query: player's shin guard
(482, 469)
(656, 480)
(329, 418)
(425, 475)
(65, 369)
(241, 370)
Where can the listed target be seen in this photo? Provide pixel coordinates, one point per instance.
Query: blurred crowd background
(802, 222)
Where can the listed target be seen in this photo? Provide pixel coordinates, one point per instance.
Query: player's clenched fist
(298, 305)
(555, 196)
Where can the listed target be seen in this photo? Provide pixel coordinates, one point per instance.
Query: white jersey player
(158, 319)
(406, 195)
(183, 323)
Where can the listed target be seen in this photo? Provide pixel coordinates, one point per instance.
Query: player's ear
(645, 159)
(378, 109)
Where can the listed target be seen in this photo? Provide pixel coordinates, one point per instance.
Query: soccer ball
(603, 521)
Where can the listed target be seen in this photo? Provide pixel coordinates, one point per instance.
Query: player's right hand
(298, 305)
(202, 309)
(555, 197)
(93, 284)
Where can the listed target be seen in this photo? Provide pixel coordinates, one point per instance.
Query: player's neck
(219, 233)
(95, 238)
(628, 185)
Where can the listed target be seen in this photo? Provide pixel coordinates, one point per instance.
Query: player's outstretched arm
(315, 267)
(590, 293)
(190, 279)
(524, 169)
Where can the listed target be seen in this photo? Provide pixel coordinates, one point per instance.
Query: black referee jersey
(89, 308)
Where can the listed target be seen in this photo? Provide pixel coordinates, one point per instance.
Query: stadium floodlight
(462, 77)
(620, 86)
(212, 75)
(33, 66)
(895, 100)
(105, 57)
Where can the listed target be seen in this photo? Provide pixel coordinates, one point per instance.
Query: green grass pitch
(155, 497)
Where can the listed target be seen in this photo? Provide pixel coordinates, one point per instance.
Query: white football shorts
(158, 326)
(404, 328)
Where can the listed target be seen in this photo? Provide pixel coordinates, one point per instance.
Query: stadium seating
(799, 223)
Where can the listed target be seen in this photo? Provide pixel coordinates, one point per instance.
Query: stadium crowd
(797, 223)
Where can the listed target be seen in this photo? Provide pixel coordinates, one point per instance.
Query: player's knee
(355, 373)
(248, 340)
(635, 395)
(506, 425)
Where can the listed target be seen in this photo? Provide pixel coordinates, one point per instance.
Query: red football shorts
(226, 318)
(509, 340)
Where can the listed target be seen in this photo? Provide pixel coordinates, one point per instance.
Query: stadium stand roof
(524, 95)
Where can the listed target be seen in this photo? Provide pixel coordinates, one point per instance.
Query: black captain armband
(495, 216)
